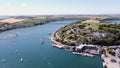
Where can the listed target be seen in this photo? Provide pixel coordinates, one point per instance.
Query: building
(83, 47)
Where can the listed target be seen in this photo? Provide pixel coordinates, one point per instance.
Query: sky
(57, 7)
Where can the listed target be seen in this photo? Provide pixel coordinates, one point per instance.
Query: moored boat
(42, 41)
(21, 60)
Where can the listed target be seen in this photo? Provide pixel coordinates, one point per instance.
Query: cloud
(24, 5)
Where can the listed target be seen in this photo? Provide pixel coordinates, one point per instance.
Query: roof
(82, 45)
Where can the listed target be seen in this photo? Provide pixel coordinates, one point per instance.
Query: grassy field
(11, 20)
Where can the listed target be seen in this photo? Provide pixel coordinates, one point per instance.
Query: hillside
(105, 34)
(14, 22)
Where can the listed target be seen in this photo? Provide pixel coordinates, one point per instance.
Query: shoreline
(66, 47)
(30, 25)
(107, 61)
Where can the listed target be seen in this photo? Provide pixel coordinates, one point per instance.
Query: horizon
(59, 7)
(58, 14)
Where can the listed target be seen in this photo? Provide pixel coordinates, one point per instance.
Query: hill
(105, 34)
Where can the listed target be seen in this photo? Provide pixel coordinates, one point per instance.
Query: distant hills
(28, 21)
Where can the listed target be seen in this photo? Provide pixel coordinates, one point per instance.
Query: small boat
(3, 60)
(50, 38)
(76, 53)
(21, 60)
(16, 51)
(50, 33)
(42, 41)
(85, 54)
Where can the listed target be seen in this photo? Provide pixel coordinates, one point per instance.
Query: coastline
(23, 25)
(107, 61)
(66, 47)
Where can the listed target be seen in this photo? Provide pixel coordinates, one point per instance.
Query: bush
(111, 52)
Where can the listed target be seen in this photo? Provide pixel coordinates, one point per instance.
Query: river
(118, 21)
(27, 46)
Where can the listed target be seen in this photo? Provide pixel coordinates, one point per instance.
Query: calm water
(40, 56)
(118, 21)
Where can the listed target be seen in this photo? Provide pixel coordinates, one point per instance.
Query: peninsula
(90, 38)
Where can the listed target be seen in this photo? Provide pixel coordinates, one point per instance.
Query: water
(2, 17)
(118, 21)
(35, 55)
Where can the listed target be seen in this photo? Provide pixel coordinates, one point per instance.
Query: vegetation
(105, 34)
(26, 23)
(111, 52)
(38, 20)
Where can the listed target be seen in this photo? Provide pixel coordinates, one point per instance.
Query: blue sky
(46, 7)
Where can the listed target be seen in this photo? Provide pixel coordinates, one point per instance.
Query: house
(99, 35)
(69, 32)
(78, 43)
(83, 47)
